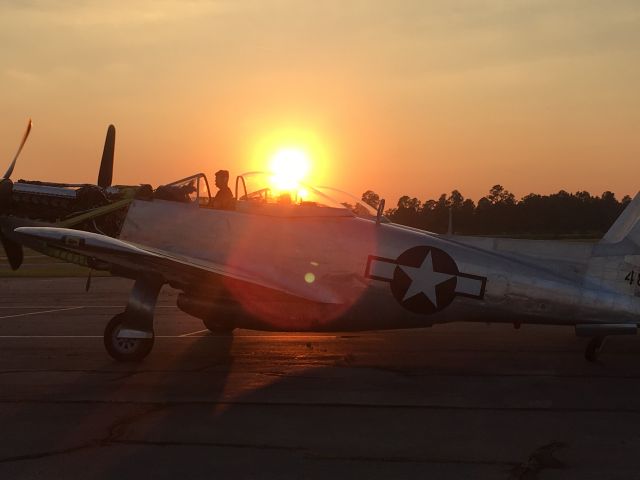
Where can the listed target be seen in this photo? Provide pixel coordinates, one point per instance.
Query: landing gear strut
(593, 348)
(129, 335)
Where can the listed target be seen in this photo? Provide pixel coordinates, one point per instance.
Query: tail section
(627, 225)
(615, 261)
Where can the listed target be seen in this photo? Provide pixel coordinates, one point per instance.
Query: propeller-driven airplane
(322, 261)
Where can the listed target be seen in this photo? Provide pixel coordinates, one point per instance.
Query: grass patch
(38, 265)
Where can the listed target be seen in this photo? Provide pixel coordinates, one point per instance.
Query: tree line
(565, 214)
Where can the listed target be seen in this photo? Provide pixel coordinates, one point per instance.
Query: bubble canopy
(259, 188)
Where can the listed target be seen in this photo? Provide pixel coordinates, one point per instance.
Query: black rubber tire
(216, 327)
(125, 349)
(593, 349)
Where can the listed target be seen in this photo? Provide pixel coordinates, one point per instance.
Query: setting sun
(291, 154)
(289, 166)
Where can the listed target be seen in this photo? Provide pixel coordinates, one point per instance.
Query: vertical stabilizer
(615, 261)
(627, 224)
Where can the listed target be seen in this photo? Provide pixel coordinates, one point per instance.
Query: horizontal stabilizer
(605, 329)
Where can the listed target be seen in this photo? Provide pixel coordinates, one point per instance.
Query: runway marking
(40, 312)
(74, 336)
(50, 336)
(176, 336)
(80, 306)
(193, 333)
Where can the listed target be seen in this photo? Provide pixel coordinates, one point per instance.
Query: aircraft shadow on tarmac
(191, 414)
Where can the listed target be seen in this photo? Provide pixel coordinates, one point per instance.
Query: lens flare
(289, 166)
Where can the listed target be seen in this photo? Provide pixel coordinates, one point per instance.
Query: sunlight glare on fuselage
(289, 166)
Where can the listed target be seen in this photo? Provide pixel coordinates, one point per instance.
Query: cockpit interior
(257, 193)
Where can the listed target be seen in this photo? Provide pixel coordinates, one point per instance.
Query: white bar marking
(40, 312)
(80, 306)
(469, 286)
(193, 333)
(175, 336)
(382, 268)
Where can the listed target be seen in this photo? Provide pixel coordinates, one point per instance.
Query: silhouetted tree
(371, 198)
(407, 211)
(455, 200)
(498, 195)
(499, 213)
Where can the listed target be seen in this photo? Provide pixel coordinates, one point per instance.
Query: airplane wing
(130, 260)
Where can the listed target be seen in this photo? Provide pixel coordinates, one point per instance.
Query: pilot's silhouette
(224, 198)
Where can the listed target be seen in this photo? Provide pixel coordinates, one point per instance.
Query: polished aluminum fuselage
(323, 256)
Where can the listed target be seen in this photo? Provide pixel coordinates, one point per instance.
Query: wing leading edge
(136, 260)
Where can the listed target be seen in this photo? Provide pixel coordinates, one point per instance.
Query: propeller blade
(105, 176)
(14, 252)
(15, 158)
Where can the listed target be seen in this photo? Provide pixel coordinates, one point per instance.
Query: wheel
(125, 349)
(218, 327)
(593, 349)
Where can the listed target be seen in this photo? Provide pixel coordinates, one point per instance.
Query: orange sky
(417, 97)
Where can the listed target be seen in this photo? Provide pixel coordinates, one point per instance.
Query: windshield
(358, 207)
(259, 187)
(193, 189)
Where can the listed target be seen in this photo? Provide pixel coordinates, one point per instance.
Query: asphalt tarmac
(452, 401)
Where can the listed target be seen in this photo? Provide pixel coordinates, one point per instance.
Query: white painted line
(40, 312)
(50, 336)
(193, 333)
(297, 337)
(73, 336)
(175, 336)
(26, 337)
(79, 306)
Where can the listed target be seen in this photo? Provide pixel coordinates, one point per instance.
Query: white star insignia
(424, 280)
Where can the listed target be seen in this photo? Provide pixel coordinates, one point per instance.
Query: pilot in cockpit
(224, 198)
